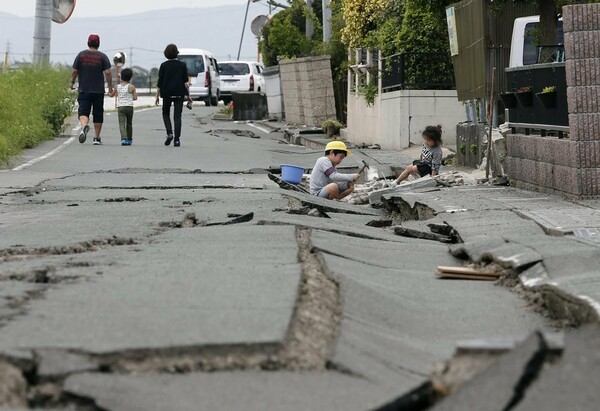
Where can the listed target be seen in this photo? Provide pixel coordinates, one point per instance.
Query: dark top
(90, 66)
(172, 78)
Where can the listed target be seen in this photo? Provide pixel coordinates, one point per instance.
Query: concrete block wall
(273, 91)
(574, 164)
(307, 86)
(397, 119)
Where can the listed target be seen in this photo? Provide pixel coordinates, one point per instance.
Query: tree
(424, 33)
(284, 35)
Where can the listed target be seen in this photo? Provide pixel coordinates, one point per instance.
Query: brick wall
(307, 87)
(570, 166)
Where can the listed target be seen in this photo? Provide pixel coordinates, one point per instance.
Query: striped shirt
(432, 156)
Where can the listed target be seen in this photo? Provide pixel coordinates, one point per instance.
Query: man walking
(92, 67)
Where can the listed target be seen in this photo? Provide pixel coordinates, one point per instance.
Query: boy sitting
(325, 181)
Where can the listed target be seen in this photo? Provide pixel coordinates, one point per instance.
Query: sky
(141, 37)
(97, 8)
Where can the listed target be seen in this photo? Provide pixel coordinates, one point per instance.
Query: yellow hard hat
(337, 145)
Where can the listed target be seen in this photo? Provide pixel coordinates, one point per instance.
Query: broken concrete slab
(508, 254)
(391, 348)
(564, 273)
(156, 181)
(421, 183)
(249, 390)
(568, 384)
(503, 384)
(54, 364)
(424, 235)
(335, 226)
(285, 185)
(329, 205)
(212, 292)
(358, 219)
(478, 226)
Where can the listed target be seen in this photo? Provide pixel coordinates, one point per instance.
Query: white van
(205, 82)
(523, 51)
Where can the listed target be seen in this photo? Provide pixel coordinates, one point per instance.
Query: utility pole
(326, 20)
(309, 24)
(243, 28)
(5, 62)
(41, 32)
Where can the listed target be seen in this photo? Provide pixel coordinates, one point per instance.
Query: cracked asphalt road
(113, 288)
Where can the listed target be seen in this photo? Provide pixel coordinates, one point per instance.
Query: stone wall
(307, 87)
(570, 166)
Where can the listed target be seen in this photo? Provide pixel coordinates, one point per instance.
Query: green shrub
(33, 106)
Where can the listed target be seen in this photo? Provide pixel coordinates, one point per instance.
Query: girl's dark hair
(126, 74)
(434, 133)
(171, 51)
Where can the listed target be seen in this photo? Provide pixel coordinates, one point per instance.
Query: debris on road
(409, 232)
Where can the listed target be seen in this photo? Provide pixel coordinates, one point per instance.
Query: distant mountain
(142, 36)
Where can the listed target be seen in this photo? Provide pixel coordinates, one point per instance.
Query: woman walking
(172, 86)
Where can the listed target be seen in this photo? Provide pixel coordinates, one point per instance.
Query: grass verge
(34, 103)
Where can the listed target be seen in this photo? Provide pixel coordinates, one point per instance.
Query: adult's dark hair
(336, 152)
(126, 74)
(434, 133)
(171, 51)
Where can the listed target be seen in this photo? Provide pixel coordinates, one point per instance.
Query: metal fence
(417, 71)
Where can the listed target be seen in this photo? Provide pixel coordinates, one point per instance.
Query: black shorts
(424, 169)
(91, 102)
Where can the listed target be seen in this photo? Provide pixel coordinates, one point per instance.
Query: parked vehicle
(205, 81)
(523, 50)
(240, 76)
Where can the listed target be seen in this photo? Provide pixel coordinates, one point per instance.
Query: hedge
(33, 106)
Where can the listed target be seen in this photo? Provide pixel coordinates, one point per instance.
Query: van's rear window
(195, 64)
(530, 42)
(234, 69)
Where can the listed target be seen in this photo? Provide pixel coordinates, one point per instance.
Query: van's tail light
(207, 79)
(251, 82)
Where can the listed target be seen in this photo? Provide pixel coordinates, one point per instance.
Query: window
(195, 64)
(234, 69)
(530, 53)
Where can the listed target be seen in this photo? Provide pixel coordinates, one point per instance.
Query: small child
(431, 155)
(126, 94)
(325, 181)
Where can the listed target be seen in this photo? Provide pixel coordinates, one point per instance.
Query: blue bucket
(291, 174)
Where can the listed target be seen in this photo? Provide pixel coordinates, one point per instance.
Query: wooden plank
(467, 271)
(464, 276)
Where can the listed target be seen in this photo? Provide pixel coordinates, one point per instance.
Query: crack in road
(23, 253)
(308, 345)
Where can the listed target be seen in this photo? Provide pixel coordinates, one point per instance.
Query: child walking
(325, 181)
(126, 94)
(431, 155)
